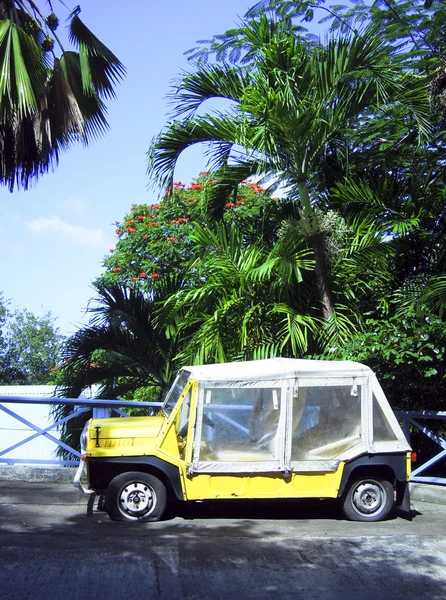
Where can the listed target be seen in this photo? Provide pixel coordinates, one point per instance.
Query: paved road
(50, 549)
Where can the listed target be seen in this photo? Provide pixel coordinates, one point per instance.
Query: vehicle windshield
(175, 392)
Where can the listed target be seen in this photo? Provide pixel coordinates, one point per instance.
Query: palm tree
(243, 304)
(250, 301)
(290, 106)
(123, 349)
(48, 101)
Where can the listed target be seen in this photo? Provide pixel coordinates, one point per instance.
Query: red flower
(119, 232)
(154, 275)
(153, 224)
(141, 217)
(116, 269)
(204, 173)
(130, 229)
(230, 204)
(112, 250)
(239, 202)
(143, 274)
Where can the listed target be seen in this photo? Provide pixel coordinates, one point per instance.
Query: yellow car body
(276, 429)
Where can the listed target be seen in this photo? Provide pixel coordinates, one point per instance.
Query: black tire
(136, 496)
(368, 499)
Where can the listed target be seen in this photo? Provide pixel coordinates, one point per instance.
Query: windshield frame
(174, 394)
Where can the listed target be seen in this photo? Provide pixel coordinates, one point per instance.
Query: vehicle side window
(326, 421)
(184, 416)
(382, 431)
(240, 424)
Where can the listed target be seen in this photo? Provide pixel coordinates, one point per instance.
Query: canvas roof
(278, 368)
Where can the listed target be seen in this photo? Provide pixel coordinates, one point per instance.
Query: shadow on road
(50, 549)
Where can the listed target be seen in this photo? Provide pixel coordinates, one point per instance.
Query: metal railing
(414, 419)
(100, 408)
(103, 408)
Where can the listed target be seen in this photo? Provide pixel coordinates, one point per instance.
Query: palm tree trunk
(316, 241)
(322, 280)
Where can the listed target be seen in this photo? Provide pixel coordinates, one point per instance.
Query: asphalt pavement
(51, 549)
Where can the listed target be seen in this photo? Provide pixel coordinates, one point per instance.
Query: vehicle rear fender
(393, 466)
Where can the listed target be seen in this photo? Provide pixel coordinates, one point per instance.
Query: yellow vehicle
(275, 428)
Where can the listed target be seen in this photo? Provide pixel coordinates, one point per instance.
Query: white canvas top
(278, 368)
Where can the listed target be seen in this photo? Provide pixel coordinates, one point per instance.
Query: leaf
(100, 68)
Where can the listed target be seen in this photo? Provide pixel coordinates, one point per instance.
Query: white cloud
(77, 234)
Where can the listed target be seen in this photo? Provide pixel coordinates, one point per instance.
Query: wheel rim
(136, 500)
(369, 498)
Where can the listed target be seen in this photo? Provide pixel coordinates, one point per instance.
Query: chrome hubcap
(136, 499)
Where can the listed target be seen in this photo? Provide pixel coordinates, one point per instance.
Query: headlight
(84, 437)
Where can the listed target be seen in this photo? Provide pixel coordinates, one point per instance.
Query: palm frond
(219, 131)
(211, 81)
(23, 74)
(100, 68)
(92, 108)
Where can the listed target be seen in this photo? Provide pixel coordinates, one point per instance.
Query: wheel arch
(392, 466)
(103, 471)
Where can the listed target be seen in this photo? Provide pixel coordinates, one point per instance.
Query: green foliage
(350, 265)
(48, 100)
(125, 347)
(30, 347)
(299, 109)
(408, 355)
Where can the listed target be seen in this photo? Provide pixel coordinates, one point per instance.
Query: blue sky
(53, 237)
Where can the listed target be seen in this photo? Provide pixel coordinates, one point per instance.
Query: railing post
(406, 427)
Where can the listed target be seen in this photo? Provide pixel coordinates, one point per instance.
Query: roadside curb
(425, 492)
(37, 474)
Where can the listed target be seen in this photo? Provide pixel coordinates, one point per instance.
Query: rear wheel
(368, 499)
(136, 496)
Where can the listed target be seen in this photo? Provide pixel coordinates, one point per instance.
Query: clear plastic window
(326, 421)
(382, 431)
(240, 424)
(184, 416)
(175, 392)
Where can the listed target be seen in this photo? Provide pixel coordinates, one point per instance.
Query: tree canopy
(30, 346)
(350, 260)
(50, 96)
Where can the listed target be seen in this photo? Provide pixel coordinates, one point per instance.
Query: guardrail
(103, 408)
(100, 408)
(410, 419)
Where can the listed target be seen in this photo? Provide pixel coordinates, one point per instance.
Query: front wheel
(368, 499)
(136, 497)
